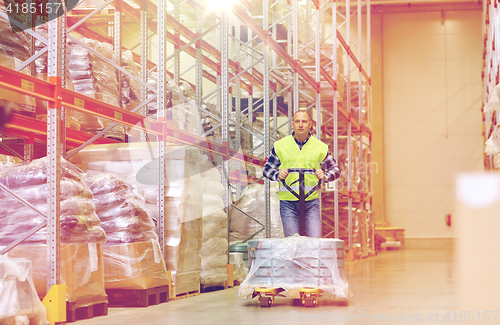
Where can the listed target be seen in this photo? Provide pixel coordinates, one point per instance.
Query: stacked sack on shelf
(81, 234)
(132, 254)
(214, 240)
(14, 50)
(41, 73)
(93, 77)
(252, 203)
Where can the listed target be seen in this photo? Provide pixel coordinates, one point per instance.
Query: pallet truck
(308, 296)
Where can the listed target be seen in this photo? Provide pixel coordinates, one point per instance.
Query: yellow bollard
(55, 303)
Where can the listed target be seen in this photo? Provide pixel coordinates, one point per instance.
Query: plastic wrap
(132, 266)
(493, 143)
(214, 239)
(121, 210)
(293, 263)
(14, 50)
(240, 271)
(183, 194)
(19, 302)
(81, 271)
(79, 222)
(97, 79)
(252, 203)
(493, 101)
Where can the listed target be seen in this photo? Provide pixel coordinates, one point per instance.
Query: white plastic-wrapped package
(240, 271)
(493, 101)
(296, 262)
(493, 143)
(19, 302)
(252, 203)
(214, 239)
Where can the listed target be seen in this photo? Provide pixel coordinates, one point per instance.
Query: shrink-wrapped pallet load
(296, 262)
(137, 164)
(214, 241)
(132, 255)
(19, 302)
(81, 234)
(252, 203)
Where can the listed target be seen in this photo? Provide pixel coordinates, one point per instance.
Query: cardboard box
(134, 266)
(81, 270)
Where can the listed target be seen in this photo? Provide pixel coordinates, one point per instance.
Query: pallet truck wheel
(265, 301)
(310, 302)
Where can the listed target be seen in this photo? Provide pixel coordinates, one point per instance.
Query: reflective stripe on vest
(312, 153)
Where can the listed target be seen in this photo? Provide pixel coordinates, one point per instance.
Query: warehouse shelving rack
(219, 65)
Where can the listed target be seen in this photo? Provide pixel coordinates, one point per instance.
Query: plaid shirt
(330, 166)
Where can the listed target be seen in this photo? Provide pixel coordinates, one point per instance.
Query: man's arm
(332, 171)
(270, 168)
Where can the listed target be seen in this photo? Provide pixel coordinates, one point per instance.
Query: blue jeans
(289, 211)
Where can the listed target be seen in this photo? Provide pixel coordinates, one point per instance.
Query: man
(300, 150)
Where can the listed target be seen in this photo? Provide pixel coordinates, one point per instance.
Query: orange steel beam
(353, 57)
(23, 126)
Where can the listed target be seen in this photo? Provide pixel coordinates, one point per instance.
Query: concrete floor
(395, 287)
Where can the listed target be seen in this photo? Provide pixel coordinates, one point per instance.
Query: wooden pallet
(186, 295)
(74, 313)
(138, 297)
(210, 288)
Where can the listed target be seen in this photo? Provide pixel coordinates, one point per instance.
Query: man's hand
(320, 174)
(283, 174)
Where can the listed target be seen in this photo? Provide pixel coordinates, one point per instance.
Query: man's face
(301, 124)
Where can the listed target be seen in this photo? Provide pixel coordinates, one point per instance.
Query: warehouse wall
(432, 115)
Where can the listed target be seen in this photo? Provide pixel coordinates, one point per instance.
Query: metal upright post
(317, 72)
(335, 116)
(360, 96)
(54, 149)
(295, 44)
(199, 66)
(224, 100)
(349, 123)
(274, 94)
(63, 82)
(290, 91)
(117, 45)
(161, 84)
(250, 71)
(144, 62)
(265, 97)
(318, 95)
(177, 74)
(236, 92)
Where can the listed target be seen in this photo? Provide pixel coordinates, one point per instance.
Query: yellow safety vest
(311, 155)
